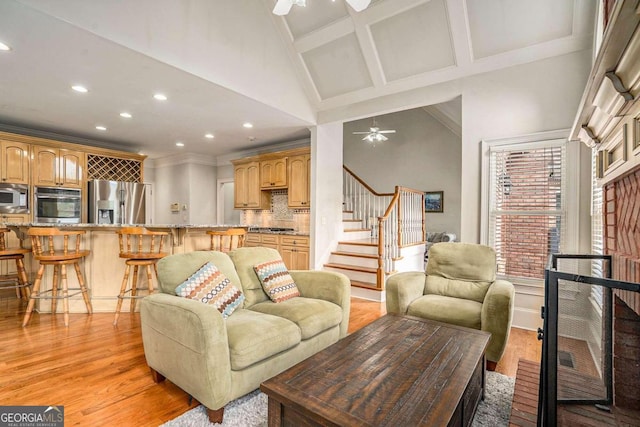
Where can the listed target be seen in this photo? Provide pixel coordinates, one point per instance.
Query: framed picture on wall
(434, 201)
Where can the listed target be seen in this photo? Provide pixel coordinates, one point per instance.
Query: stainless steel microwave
(14, 198)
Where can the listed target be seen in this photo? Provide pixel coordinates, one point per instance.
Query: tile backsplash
(280, 215)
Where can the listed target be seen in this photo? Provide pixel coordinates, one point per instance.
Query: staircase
(382, 234)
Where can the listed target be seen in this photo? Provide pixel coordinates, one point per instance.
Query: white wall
(423, 154)
(326, 202)
(187, 180)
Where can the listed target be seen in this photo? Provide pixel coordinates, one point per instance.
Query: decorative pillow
(276, 280)
(209, 286)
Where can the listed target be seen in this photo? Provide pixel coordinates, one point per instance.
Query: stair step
(360, 242)
(351, 220)
(355, 254)
(351, 230)
(365, 285)
(352, 268)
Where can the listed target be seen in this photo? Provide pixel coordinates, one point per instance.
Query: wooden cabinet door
(246, 188)
(301, 258)
(71, 168)
(240, 187)
(273, 173)
(298, 195)
(15, 162)
(45, 166)
(253, 191)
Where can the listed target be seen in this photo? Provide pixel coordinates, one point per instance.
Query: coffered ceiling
(225, 62)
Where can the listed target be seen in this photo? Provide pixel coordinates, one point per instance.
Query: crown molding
(225, 160)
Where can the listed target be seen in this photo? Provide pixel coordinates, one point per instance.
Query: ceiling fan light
(379, 137)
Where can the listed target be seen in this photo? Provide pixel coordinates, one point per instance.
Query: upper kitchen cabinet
(14, 165)
(299, 180)
(247, 193)
(58, 167)
(273, 173)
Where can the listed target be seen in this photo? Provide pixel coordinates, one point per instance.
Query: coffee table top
(396, 371)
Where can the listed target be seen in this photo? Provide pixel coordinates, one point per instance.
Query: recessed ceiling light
(209, 136)
(80, 88)
(125, 115)
(179, 144)
(160, 97)
(247, 125)
(4, 46)
(102, 128)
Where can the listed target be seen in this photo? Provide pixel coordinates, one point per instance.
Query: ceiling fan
(375, 134)
(284, 6)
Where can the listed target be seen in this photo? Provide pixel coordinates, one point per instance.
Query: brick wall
(622, 240)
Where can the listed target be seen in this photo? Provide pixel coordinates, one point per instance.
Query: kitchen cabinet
(295, 252)
(14, 165)
(247, 193)
(57, 167)
(259, 239)
(273, 173)
(299, 180)
(12, 241)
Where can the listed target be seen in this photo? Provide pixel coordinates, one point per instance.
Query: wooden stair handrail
(364, 184)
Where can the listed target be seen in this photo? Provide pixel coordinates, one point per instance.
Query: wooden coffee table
(396, 371)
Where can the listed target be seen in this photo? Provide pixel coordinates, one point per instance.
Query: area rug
(251, 410)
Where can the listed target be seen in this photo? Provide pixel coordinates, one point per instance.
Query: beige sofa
(216, 360)
(460, 287)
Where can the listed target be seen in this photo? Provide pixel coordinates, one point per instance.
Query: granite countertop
(89, 225)
(251, 228)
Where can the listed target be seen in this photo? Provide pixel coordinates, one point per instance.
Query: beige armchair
(458, 287)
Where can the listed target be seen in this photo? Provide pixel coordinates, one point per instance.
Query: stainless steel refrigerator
(116, 202)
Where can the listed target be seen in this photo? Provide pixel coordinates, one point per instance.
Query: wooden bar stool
(52, 246)
(17, 281)
(139, 247)
(227, 240)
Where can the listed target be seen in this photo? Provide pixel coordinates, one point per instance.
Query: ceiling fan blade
(359, 5)
(387, 131)
(383, 138)
(282, 7)
(361, 133)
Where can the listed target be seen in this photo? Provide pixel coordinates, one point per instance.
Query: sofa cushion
(244, 259)
(209, 286)
(461, 312)
(255, 336)
(460, 270)
(175, 269)
(311, 315)
(276, 280)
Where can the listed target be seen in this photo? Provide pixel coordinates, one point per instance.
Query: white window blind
(597, 231)
(527, 206)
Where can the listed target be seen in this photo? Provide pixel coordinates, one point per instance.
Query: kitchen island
(103, 268)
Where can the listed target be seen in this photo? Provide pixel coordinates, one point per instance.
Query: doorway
(226, 213)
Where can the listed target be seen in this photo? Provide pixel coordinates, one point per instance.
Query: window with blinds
(526, 206)
(597, 232)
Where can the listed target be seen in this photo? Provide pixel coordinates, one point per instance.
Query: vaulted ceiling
(225, 62)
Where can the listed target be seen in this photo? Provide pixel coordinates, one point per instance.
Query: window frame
(570, 187)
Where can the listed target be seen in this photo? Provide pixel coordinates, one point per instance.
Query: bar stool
(227, 240)
(17, 281)
(52, 246)
(138, 247)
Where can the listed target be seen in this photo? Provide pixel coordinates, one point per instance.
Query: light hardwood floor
(99, 373)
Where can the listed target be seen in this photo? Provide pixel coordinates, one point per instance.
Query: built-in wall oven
(14, 198)
(57, 205)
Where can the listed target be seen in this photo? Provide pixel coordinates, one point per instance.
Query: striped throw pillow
(209, 286)
(276, 280)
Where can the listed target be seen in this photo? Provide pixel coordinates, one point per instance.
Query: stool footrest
(40, 296)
